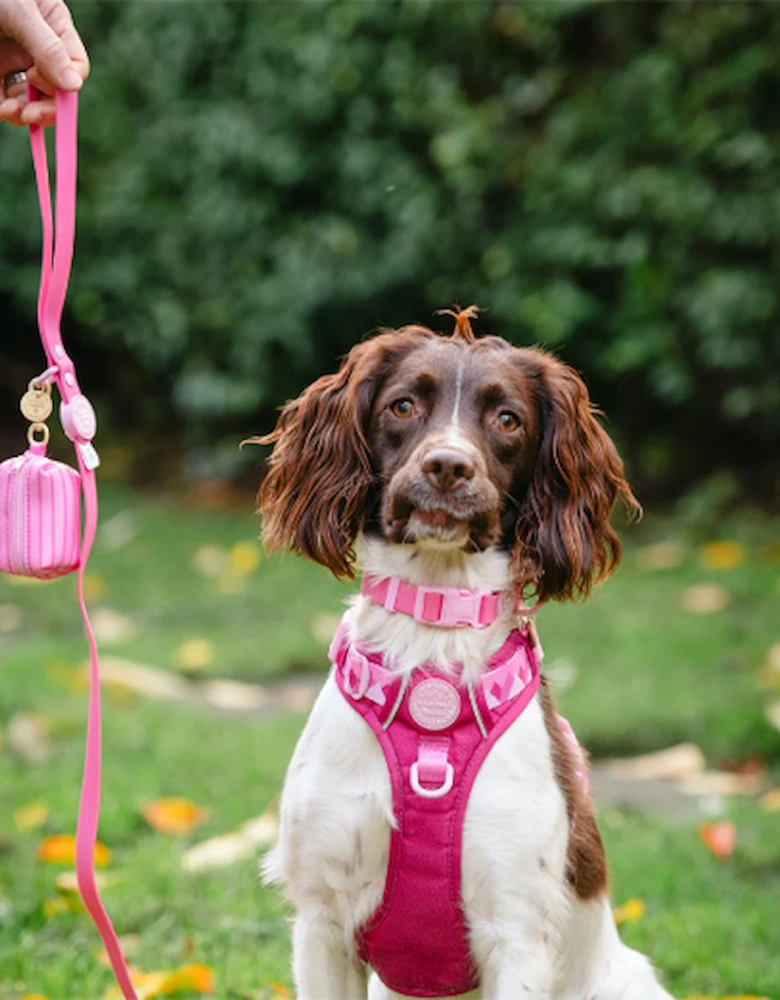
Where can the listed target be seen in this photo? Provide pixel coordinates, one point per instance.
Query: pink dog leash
(78, 421)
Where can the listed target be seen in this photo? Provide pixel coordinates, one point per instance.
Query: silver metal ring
(13, 79)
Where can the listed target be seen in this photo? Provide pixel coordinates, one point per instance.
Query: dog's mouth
(462, 523)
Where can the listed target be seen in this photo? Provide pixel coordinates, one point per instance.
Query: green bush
(263, 183)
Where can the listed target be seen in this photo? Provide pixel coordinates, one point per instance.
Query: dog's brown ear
(313, 499)
(564, 541)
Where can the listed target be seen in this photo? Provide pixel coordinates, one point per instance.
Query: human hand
(38, 38)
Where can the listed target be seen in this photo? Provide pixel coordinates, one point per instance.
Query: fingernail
(71, 79)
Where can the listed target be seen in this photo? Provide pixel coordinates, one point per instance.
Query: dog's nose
(447, 468)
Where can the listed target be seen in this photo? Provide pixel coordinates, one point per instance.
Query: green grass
(647, 674)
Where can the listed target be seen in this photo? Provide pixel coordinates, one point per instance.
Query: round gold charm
(36, 405)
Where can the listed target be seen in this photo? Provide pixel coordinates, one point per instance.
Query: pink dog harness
(435, 734)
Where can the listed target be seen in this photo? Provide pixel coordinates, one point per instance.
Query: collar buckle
(452, 607)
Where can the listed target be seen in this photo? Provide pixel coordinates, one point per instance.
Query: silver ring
(12, 79)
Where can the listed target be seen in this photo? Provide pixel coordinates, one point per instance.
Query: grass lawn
(638, 672)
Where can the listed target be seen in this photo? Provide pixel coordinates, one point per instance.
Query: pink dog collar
(449, 607)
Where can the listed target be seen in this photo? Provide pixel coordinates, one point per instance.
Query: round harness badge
(434, 704)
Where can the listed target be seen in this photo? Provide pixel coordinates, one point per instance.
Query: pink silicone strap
(55, 272)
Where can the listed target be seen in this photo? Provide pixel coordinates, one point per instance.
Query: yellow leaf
(34, 996)
(278, 990)
(704, 598)
(31, 816)
(173, 815)
(722, 555)
(60, 849)
(149, 985)
(194, 654)
(771, 801)
(629, 912)
(244, 558)
(94, 586)
(56, 905)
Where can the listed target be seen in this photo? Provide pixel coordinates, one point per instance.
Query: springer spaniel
(446, 465)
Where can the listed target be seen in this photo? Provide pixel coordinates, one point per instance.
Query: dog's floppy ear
(564, 541)
(316, 494)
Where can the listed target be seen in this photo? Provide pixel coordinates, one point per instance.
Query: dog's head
(451, 442)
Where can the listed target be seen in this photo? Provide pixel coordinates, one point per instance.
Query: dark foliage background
(262, 183)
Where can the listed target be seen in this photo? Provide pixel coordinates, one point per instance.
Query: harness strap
(78, 421)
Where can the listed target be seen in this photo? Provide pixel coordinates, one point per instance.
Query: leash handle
(78, 421)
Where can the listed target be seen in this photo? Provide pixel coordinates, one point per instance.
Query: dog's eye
(507, 422)
(402, 408)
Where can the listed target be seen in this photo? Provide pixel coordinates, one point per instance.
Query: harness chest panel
(435, 735)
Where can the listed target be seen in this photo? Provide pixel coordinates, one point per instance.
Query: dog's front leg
(519, 970)
(322, 968)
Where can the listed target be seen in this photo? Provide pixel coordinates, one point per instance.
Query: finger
(13, 58)
(38, 112)
(60, 20)
(46, 47)
(36, 78)
(11, 110)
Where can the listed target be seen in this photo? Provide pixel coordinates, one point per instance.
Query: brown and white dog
(454, 462)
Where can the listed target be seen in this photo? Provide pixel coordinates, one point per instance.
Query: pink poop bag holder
(40, 499)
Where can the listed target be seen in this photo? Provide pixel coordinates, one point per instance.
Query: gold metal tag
(36, 404)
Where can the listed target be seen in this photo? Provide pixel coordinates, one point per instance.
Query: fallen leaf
(722, 555)
(210, 560)
(704, 598)
(10, 617)
(31, 816)
(218, 852)
(719, 838)
(195, 654)
(769, 674)
(679, 761)
(144, 679)
(117, 532)
(34, 996)
(278, 990)
(230, 848)
(244, 558)
(67, 883)
(112, 627)
(148, 985)
(771, 801)
(173, 815)
(660, 556)
(234, 696)
(60, 849)
(772, 713)
(57, 905)
(629, 912)
(721, 784)
(94, 586)
(28, 736)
